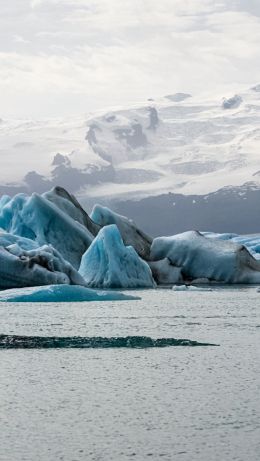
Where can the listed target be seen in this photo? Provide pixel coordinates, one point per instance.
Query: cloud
(81, 55)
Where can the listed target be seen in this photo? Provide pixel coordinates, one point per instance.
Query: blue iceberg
(39, 219)
(109, 264)
(60, 293)
(130, 233)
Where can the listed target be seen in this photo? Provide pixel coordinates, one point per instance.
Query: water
(120, 403)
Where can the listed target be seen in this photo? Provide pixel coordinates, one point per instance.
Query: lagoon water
(174, 403)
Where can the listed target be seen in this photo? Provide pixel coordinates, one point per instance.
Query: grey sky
(61, 57)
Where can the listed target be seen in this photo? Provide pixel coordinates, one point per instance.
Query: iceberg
(21, 267)
(4, 200)
(165, 273)
(60, 293)
(39, 219)
(24, 243)
(108, 263)
(202, 257)
(69, 204)
(251, 242)
(130, 233)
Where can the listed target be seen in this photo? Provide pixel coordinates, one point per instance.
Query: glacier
(203, 257)
(108, 263)
(61, 293)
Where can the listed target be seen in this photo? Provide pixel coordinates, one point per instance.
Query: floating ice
(130, 233)
(109, 264)
(251, 242)
(199, 257)
(20, 267)
(69, 205)
(189, 288)
(60, 293)
(41, 220)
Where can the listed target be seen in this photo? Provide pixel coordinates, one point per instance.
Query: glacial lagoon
(118, 403)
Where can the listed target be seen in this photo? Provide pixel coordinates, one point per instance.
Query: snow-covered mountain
(177, 144)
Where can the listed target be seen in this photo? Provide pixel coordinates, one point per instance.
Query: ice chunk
(41, 220)
(109, 264)
(130, 233)
(189, 288)
(199, 257)
(165, 273)
(60, 293)
(41, 266)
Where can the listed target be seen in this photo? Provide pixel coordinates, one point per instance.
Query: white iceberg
(251, 242)
(60, 293)
(202, 257)
(130, 233)
(189, 288)
(39, 219)
(109, 264)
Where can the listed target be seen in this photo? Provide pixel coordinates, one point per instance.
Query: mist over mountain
(189, 158)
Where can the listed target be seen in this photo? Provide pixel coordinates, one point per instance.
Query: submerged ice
(60, 293)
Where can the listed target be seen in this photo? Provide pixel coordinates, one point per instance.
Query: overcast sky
(62, 57)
